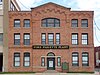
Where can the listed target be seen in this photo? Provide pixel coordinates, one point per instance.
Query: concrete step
(51, 71)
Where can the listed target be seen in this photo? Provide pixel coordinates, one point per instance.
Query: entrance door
(1, 62)
(51, 63)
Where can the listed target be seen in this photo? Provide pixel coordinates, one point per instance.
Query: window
(26, 39)
(27, 23)
(26, 59)
(17, 39)
(16, 59)
(84, 23)
(84, 38)
(75, 59)
(16, 23)
(0, 2)
(57, 38)
(74, 39)
(58, 61)
(42, 61)
(74, 23)
(50, 39)
(85, 59)
(43, 38)
(50, 22)
(1, 38)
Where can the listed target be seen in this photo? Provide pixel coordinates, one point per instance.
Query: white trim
(50, 56)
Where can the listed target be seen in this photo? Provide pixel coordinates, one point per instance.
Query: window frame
(47, 22)
(26, 39)
(59, 62)
(27, 23)
(84, 39)
(82, 24)
(87, 59)
(17, 39)
(1, 39)
(42, 62)
(74, 39)
(51, 39)
(17, 61)
(72, 24)
(57, 40)
(15, 23)
(26, 61)
(43, 40)
(74, 60)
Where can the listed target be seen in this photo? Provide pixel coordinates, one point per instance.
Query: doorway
(50, 63)
(1, 61)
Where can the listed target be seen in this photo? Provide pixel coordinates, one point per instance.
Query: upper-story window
(1, 38)
(84, 22)
(26, 23)
(74, 38)
(50, 22)
(0, 1)
(16, 38)
(84, 39)
(50, 39)
(16, 23)
(57, 38)
(74, 22)
(26, 39)
(43, 38)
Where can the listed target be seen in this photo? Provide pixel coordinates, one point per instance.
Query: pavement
(96, 73)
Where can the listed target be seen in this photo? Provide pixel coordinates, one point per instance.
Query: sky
(91, 5)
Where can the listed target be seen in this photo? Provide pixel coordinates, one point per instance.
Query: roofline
(50, 3)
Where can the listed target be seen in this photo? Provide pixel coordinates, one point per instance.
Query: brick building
(97, 57)
(50, 37)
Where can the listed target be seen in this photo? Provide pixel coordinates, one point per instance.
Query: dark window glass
(74, 23)
(26, 59)
(58, 61)
(26, 39)
(74, 38)
(43, 38)
(27, 23)
(50, 22)
(75, 59)
(1, 38)
(16, 59)
(84, 38)
(84, 23)
(57, 38)
(17, 39)
(16, 23)
(85, 59)
(42, 61)
(50, 39)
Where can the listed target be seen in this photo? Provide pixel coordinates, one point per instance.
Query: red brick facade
(51, 10)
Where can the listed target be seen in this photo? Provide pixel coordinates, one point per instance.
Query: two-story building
(49, 37)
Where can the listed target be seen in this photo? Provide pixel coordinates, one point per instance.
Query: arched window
(50, 22)
(50, 54)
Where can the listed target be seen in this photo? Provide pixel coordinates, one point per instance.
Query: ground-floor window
(16, 59)
(43, 61)
(26, 59)
(85, 59)
(58, 61)
(75, 59)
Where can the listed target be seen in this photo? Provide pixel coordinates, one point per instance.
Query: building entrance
(1, 61)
